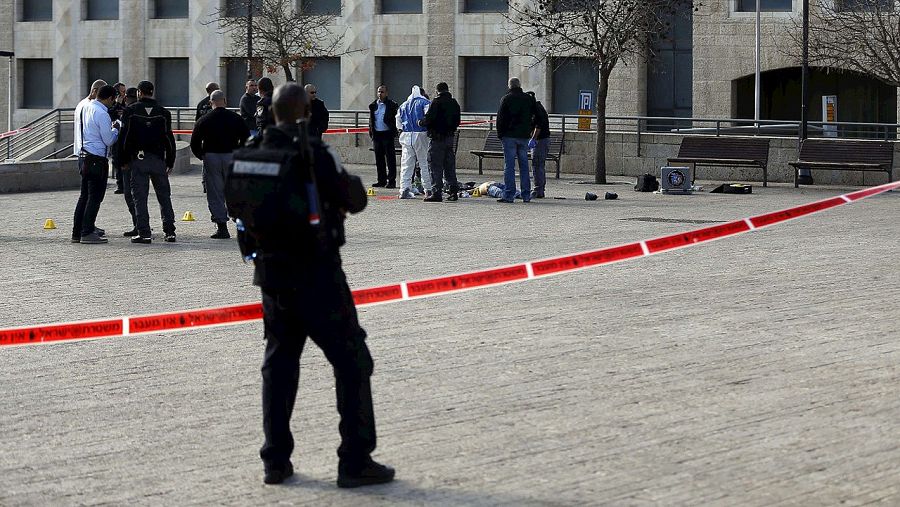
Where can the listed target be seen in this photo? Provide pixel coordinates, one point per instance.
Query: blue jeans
(539, 164)
(516, 149)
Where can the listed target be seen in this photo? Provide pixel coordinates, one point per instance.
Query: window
(332, 7)
(864, 5)
(106, 69)
(325, 74)
(171, 81)
(669, 77)
(486, 83)
(237, 8)
(566, 5)
(399, 75)
(101, 9)
(401, 6)
(170, 9)
(764, 6)
(485, 6)
(570, 76)
(37, 10)
(37, 83)
(236, 80)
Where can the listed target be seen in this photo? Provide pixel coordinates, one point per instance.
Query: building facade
(705, 69)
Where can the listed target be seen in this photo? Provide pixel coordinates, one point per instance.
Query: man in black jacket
(442, 120)
(540, 143)
(263, 115)
(204, 105)
(213, 141)
(148, 152)
(514, 120)
(383, 131)
(318, 118)
(305, 294)
(248, 106)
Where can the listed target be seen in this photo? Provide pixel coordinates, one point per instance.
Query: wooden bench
(724, 151)
(493, 148)
(837, 155)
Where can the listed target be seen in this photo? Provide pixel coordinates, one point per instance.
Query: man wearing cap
(213, 141)
(148, 152)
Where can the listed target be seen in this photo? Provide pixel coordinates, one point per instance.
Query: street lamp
(804, 175)
(9, 104)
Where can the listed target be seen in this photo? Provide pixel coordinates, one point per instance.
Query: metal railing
(46, 129)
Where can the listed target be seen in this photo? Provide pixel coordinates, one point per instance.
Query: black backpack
(146, 131)
(271, 194)
(646, 183)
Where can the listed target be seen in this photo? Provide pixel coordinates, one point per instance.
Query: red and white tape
(13, 133)
(238, 314)
(348, 130)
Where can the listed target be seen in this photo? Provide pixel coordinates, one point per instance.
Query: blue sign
(586, 100)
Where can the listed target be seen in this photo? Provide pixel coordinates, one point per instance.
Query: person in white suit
(414, 142)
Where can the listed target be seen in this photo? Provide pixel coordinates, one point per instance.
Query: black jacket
(163, 145)
(339, 192)
(390, 116)
(248, 110)
(115, 113)
(203, 107)
(263, 115)
(516, 114)
(541, 121)
(442, 118)
(219, 131)
(318, 120)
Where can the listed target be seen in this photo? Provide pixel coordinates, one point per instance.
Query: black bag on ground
(646, 183)
(273, 194)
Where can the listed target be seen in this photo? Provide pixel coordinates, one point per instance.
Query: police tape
(14, 132)
(239, 314)
(348, 130)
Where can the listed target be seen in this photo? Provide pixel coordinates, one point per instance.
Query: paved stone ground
(757, 370)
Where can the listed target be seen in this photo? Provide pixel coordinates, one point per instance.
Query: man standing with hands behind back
(383, 131)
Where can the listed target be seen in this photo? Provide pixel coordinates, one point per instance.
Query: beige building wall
(442, 35)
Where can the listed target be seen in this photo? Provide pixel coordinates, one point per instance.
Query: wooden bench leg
(480, 160)
(796, 177)
(765, 175)
(557, 168)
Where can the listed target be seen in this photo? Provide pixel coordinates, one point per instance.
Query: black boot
(368, 473)
(222, 232)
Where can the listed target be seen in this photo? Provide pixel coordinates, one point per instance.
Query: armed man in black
(263, 114)
(442, 120)
(304, 289)
(148, 151)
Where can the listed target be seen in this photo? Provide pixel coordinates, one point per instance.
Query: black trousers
(144, 172)
(385, 157)
(94, 171)
(321, 307)
(442, 164)
(125, 182)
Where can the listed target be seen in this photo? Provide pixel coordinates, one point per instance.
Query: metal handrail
(45, 129)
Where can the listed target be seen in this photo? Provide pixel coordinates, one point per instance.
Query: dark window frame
(156, 14)
(381, 9)
(27, 100)
(88, 16)
(24, 10)
(303, 7)
(751, 6)
(466, 8)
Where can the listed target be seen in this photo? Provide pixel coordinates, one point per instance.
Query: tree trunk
(600, 148)
(288, 75)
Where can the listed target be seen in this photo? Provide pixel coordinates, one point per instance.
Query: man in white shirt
(97, 134)
(79, 109)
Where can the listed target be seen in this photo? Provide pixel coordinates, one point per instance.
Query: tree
(282, 35)
(606, 31)
(857, 35)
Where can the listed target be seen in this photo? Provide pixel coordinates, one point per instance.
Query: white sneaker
(407, 194)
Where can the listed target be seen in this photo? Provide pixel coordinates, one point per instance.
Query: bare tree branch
(605, 31)
(283, 35)
(858, 35)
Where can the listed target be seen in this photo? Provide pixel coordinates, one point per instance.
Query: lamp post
(805, 176)
(9, 103)
(757, 92)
